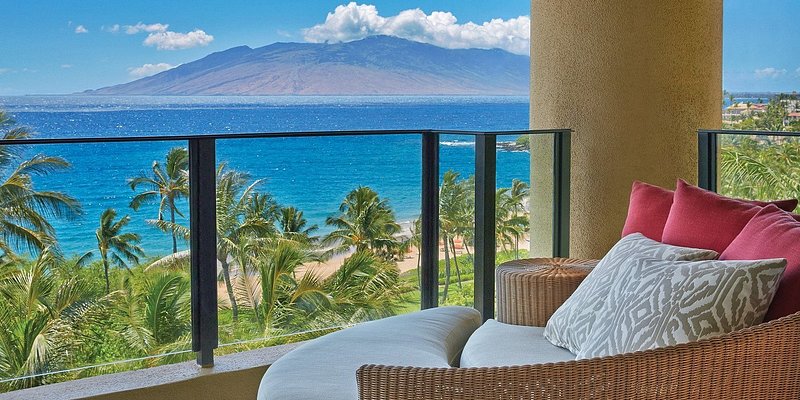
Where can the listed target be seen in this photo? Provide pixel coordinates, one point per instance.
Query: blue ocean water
(312, 174)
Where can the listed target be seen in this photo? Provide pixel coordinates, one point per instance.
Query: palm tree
(24, 211)
(365, 222)
(114, 245)
(166, 184)
(511, 214)
(281, 292)
(366, 286)
(154, 314)
(241, 212)
(755, 169)
(294, 226)
(40, 321)
(454, 214)
(416, 241)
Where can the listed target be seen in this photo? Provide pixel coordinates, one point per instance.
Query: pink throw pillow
(705, 220)
(648, 210)
(650, 207)
(772, 233)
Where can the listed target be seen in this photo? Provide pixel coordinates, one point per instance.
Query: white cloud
(149, 69)
(159, 36)
(4, 70)
(149, 28)
(797, 71)
(284, 33)
(357, 21)
(66, 66)
(769, 72)
(177, 41)
(81, 29)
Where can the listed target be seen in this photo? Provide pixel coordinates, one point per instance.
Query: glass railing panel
(759, 167)
(315, 233)
(457, 220)
(513, 195)
(94, 277)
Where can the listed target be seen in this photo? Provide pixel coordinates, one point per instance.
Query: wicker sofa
(761, 362)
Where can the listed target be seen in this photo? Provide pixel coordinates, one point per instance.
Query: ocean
(312, 174)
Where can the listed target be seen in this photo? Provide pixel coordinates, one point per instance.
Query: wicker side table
(530, 290)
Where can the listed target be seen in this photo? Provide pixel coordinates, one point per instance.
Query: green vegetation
(762, 167)
(66, 317)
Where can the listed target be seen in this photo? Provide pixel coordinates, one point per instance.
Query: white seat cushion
(325, 368)
(497, 344)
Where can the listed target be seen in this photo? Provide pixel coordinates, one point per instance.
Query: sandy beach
(409, 262)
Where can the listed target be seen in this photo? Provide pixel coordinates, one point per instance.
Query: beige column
(635, 80)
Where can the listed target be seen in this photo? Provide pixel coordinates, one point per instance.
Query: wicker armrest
(530, 290)
(761, 362)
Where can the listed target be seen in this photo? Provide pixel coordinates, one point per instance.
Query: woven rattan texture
(530, 290)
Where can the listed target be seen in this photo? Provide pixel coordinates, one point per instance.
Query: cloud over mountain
(149, 69)
(357, 21)
(161, 38)
(169, 40)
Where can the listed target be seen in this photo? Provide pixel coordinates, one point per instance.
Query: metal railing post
(485, 246)
(707, 160)
(429, 222)
(203, 248)
(561, 182)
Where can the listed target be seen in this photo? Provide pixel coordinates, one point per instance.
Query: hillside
(378, 65)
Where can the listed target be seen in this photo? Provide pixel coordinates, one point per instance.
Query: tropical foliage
(166, 184)
(24, 211)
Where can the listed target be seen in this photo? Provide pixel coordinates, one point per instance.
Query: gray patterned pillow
(656, 303)
(571, 323)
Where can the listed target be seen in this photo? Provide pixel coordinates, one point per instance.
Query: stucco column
(635, 80)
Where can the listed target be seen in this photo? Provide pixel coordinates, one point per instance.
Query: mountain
(372, 66)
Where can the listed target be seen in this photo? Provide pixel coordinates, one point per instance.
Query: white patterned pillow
(657, 303)
(571, 323)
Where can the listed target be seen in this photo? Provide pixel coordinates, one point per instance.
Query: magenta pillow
(705, 220)
(648, 210)
(650, 207)
(785, 205)
(772, 233)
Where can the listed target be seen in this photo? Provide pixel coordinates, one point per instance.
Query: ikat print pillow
(656, 303)
(571, 323)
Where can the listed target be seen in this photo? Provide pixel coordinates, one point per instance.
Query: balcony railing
(202, 212)
(714, 143)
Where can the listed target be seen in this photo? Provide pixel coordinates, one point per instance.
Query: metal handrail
(748, 132)
(285, 134)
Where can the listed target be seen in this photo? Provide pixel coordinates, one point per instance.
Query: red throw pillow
(785, 205)
(772, 233)
(650, 207)
(648, 210)
(703, 219)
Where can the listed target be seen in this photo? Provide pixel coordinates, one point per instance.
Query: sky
(53, 47)
(761, 45)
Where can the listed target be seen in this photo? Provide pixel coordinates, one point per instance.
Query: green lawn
(456, 295)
